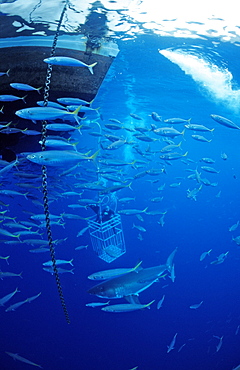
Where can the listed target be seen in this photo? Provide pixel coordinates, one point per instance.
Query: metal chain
(44, 171)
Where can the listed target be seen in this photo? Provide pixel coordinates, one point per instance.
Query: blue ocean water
(140, 81)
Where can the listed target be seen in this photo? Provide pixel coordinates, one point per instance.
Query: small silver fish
(69, 62)
(195, 306)
(125, 307)
(7, 297)
(96, 304)
(24, 87)
(14, 306)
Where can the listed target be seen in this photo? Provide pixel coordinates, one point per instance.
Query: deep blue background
(140, 81)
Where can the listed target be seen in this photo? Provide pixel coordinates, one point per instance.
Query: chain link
(44, 171)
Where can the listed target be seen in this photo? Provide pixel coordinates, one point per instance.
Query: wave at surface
(216, 81)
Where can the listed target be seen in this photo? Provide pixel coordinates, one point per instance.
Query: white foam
(216, 81)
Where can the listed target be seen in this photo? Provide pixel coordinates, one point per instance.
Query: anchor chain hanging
(44, 171)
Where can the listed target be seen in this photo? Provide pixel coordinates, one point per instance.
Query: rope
(44, 171)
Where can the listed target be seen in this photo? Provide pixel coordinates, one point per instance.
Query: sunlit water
(183, 77)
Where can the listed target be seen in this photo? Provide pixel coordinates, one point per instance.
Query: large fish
(59, 157)
(132, 283)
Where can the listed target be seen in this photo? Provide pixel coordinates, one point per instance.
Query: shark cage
(107, 238)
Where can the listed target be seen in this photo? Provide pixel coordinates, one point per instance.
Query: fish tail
(20, 275)
(79, 130)
(129, 186)
(133, 163)
(87, 153)
(145, 210)
(71, 262)
(1, 110)
(94, 156)
(184, 155)
(137, 267)
(148, 304)
(25, 195)
(38, 90)
(23, 98)
(75, 113)
(90, 67)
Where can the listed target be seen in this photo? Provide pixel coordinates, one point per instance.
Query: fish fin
(90, 67)
(133, 299)
(170, 260)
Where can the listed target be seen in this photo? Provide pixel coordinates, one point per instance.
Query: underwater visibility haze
(119, 185)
